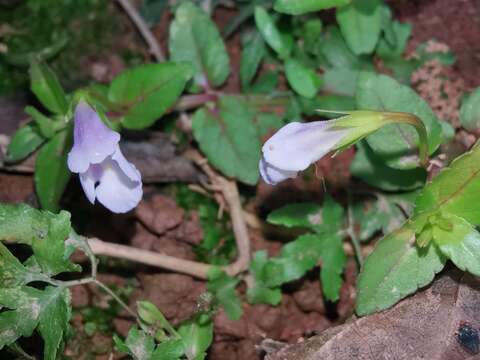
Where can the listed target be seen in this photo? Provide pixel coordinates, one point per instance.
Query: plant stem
(353, 236)
(115, 296)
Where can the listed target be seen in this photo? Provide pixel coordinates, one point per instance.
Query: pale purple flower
(104, 172)
(297, 145)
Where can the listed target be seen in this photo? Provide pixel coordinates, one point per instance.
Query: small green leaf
(13, 273)
(340, 81)
(45, 124)
(295, 7)
(302, 214)
(297, 257)
(470, 111)
(395, 269)
(260, 293)
(25, 141)
(396, 143)
(223, 287)
(138, 344)
(369, 167)
(168, 350)
(302, 79)
(281, 43)
(146, 92)
(45, 85)
(197, 335)
(461, 243)
(360, 23)
(22, 224)
(456, 190)
(51, 171)
(195, 38)
(337, 53)
(252, 55)
(266, 83)
(388, 50)
(229, 138)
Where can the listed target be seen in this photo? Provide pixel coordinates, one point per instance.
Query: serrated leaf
(369, 167)
(22, 224)
(51, 171)
(252, 55)
(146, 92)
(25, 141)
(303, 80)
(223, 287)
(295, 7)
(281, 43)
(396, 143)
(470, 110)
(29, 307)
(195, 38)
(395, 269)
(300, 214)
(54, 321)
(45, 85)
(456, 189)
(197, 335)
(461, 243)
(360, 23)
(13, 273)
(229, 138)
(260, 293)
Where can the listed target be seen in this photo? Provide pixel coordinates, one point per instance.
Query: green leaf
(50, 250)
(45, 124)
(13, 273)
(28, 308)
(252, 55)
(260, 293)
(152, 10)
(297, 257)
(22, 224)
(168, 350)
(51, 171)
(281, 43)
(146, 92)
(396, 143)
(360, 23)
(340, 81)
(455, 190)
(54, 320)
(302, 214)
(470, 110)
(337, 53)
(229, 138)
(195, 38)
(461, 243)
(388, 50)
(302, 79)
(223, 287)
(395, 269)
(45, 85)
(295, 7)
(197, 335)
(25, 141)
(385, 212)
(369, 167)
(266, 83)
(138, 344)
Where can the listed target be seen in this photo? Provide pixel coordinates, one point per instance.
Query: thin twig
(351, 232)
(143, 29)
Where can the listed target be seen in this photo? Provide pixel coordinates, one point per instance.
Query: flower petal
(88, 180)
(117, 191)
(297, 145)
(127, 167)
(272, 175)
(93, 140)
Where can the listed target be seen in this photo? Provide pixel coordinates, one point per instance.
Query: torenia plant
(297, 145)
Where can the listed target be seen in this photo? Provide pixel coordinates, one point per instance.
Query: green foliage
(145, 93)
(195, 38)
(51, 171)
(396, 144)
(324, 245)
(302, 79)
(470, 110)
(294, 7)
(197, 335)
(230, 137)
(223, 287)
(360, 23)
(25, 140)
(280, 42)
(371, 168)
(252, 55)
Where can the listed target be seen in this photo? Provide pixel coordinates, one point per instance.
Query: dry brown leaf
(424, 326)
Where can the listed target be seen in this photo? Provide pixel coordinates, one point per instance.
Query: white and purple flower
(104, 172)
